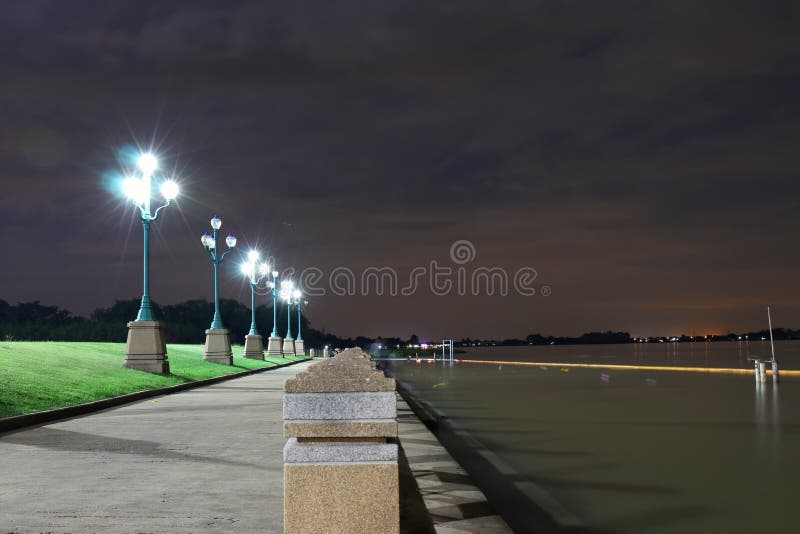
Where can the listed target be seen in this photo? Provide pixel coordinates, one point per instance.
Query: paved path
(205, 460)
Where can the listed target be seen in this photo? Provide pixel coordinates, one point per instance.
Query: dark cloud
(641, 157)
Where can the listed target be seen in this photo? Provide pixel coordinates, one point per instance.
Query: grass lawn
(36, 376)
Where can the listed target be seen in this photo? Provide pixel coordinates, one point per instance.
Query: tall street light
(218, 343)
(255, 272)
(145, 349)
(287, 290)
(299, 345)
(274, 347)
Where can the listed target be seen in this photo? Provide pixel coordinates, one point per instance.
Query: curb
(37, 418)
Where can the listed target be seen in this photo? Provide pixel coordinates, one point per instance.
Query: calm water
(633, 451)
(719, 354)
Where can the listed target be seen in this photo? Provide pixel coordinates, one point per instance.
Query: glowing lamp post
(255, 272)
(299, 344)
(275, 345)
(287, 295)
(145, 348)
(218, 343)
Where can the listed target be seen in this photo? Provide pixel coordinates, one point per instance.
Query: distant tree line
(777, 334)
(186, 322)
(593, 338)
(600, 338)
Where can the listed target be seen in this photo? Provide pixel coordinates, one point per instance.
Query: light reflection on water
(718, 354)
(633, 451)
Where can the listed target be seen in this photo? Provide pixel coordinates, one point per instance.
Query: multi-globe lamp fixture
(145, 348)
(275, 345)
(287, 295)
(299, 344)
(218, 343)
(255, 272)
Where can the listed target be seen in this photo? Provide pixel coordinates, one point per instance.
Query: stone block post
(340, 463)
(218, 346)
(145, 349)
(253, 347)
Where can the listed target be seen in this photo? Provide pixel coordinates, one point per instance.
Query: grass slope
(36, 376)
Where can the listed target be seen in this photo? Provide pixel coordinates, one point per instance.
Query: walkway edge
(37, 418)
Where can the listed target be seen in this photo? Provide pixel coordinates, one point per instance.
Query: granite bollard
(340, 462)
(253, 347)
(288, 346)
(218, 346)
(275, 346)
(145, 349)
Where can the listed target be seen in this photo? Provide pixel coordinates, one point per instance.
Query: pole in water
(772, 347)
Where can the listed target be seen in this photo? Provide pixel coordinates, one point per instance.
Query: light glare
(147, 163)
(169, 190)
(134, 190)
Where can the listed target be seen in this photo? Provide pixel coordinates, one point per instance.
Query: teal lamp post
(287, 290)
(275, 345)
(218, 344)
(299, 344)
(145, 349)
(255, 272)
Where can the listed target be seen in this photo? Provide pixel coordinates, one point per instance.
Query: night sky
(642, 157)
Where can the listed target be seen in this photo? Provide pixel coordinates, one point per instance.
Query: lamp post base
(218, 346)
(253, 347)
(274, 346)
(288, 346)
(299, 347)
(145, 349)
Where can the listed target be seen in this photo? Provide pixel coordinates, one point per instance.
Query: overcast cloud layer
(642, 157)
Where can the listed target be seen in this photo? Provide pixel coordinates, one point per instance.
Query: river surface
(630, 450)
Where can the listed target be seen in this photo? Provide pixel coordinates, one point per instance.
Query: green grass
(36, 376)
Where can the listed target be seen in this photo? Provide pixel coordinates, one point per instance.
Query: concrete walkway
(205, 460)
